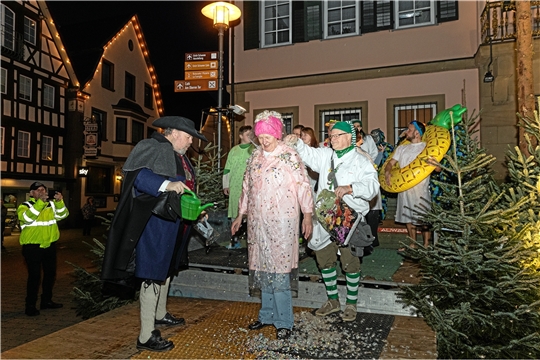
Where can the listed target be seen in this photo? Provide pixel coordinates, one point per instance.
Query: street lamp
(221, 13)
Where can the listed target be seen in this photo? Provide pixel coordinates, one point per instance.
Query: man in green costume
(233, 174)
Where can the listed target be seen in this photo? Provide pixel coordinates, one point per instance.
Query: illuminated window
(23, 144)
(29, 31)
(47, 148)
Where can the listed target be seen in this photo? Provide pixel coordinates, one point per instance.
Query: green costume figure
(233, 173)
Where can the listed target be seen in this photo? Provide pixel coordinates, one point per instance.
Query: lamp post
(221, 13)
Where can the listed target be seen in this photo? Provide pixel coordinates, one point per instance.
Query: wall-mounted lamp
(489, 77)
(119, 178)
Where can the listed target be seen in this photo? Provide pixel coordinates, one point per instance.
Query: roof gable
(55, 47)
(86, 44)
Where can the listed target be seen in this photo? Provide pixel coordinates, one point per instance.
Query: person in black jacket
(143, 243)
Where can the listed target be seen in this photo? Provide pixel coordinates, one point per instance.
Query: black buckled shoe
(168, 319)
(283, 334)
(256, 325)
(50, 305)
(155, 343)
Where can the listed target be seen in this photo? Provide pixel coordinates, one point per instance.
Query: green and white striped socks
(353, 280)
(330, 281)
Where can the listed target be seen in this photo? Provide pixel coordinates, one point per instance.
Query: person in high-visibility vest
(38, 219)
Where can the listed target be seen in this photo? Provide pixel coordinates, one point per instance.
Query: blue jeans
(276, 306)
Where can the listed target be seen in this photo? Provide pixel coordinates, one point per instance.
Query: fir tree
(88, 285)
(480, 286)
(209, 177)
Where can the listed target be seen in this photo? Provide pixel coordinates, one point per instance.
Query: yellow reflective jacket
(38, 220)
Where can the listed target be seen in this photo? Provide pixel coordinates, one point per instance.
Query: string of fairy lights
(134, 22)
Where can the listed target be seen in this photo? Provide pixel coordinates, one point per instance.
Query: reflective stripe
(34, 211)
(331, 292)
(26, 218)
(352, 288)
(349, 297)
(39, 223)
(61, 209)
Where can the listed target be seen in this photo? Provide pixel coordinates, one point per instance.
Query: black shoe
(256, 325)
(31, 311)
(283, 333)
(168, 319)
(155, 343)
(50, 305)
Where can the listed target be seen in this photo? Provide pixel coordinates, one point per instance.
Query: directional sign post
(194, 85)
(200, 72)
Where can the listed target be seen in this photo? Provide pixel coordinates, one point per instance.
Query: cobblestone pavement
(17, 328)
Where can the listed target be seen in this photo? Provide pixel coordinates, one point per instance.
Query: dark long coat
(129, 228)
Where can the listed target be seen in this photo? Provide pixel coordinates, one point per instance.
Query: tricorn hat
(179, 123)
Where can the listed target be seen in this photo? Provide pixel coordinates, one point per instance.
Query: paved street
(17, 328)
(45, 336)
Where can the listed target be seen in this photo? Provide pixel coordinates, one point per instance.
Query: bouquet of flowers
(337, 218)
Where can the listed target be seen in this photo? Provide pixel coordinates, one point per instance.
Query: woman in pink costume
(274, 192)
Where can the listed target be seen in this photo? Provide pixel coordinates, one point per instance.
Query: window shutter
(447, 11)
(376, 16)
(313, 22)
(251, 18)
(298, 28)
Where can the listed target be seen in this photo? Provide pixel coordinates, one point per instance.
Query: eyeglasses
(335, 136)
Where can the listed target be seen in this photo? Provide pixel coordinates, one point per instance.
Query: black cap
(36, 185)
(179, 123)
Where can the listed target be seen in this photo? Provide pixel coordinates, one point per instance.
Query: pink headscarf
(270, 125)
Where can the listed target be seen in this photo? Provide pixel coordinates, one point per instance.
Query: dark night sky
(171, 29)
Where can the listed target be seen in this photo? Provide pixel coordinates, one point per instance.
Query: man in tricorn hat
(146, 245)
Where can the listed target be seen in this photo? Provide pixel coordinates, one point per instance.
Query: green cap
(344, 126)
